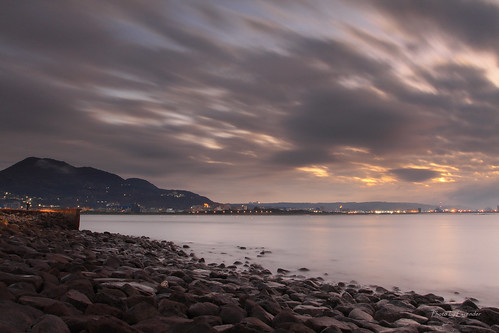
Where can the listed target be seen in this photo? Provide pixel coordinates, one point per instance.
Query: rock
(5, 294)
(76, 298)
(474, 329)
(202, 309)
(17, 317)
(260, 313)
(360, 315)
(104, 310)
(490, 316)
(192, 327)
(50, 324)
(113, 297)
(154, 325)
(9, 279)
(320, 323)
(141, 311)
(296, 328)
(169, 308)
(232, 314)
(390, 313)
(84, 286)
(252, 323)
(145, 288)
(285, 316)
(108, 324)
(403, 322)
(314, 311)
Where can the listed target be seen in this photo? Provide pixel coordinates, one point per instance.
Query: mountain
(53, 182)
(350, 206)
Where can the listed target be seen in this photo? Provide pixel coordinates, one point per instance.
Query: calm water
(454, 256)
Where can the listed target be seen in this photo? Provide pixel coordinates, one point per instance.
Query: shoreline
(75, 281)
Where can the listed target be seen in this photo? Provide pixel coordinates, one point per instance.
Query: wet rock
(252, 324)
(171, 308)
(360, 315)
(203, 309)
(17, 317)
(9, 279)
(109, 324)
(104, 310)
(390, 313)
(49, 324)
(141, 312)
(76, 298)
(490, 316)
(314, 311)
(296, 328)
(232, 314)
(320, 323)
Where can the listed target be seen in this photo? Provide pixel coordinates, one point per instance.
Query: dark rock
(490, 316)
(314, 311)
(320, 323)
(333, 329)
(390, 312)
(253, 325)
(210, 320)
(141, 311)
(153, 325)
(285, 316)
(171, 308)
(232, 314)
(360, 315)
(133, 300)
(9, 279)
(103, 310)
(50, 324)
(76, 298)
(296, 328)
(108, 324)
(84, 286)
(16, 316)
(113, 262)
(303, 269)
(255, 310)
(192, 327)
(203, 309)
(5, 294)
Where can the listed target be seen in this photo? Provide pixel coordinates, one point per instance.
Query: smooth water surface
(452, 255)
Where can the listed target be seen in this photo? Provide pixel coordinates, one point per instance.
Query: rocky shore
(53, 279)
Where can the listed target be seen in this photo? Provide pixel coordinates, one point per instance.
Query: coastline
(69, 280)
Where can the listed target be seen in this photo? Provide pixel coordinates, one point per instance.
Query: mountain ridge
(56, 182)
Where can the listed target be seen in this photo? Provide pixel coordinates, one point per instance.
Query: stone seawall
(66, 218)
(57, 279)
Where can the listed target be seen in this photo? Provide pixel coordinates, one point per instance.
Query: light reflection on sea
(441, 253)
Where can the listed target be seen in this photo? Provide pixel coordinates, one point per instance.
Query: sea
(450, 255)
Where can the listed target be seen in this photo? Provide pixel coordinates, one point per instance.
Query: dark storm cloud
(340, 116)
(414, 175)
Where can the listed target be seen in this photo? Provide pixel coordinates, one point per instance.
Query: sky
(296, 100)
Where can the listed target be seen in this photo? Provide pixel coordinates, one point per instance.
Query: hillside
(52, 182)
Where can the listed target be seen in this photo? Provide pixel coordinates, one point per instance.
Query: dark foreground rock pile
(57, 280)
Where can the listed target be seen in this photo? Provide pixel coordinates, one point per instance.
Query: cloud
(195, 94)
(414, 175)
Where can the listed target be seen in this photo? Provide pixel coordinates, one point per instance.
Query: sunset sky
(296, 100)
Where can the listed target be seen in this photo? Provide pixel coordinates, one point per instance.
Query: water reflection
(426, 253)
